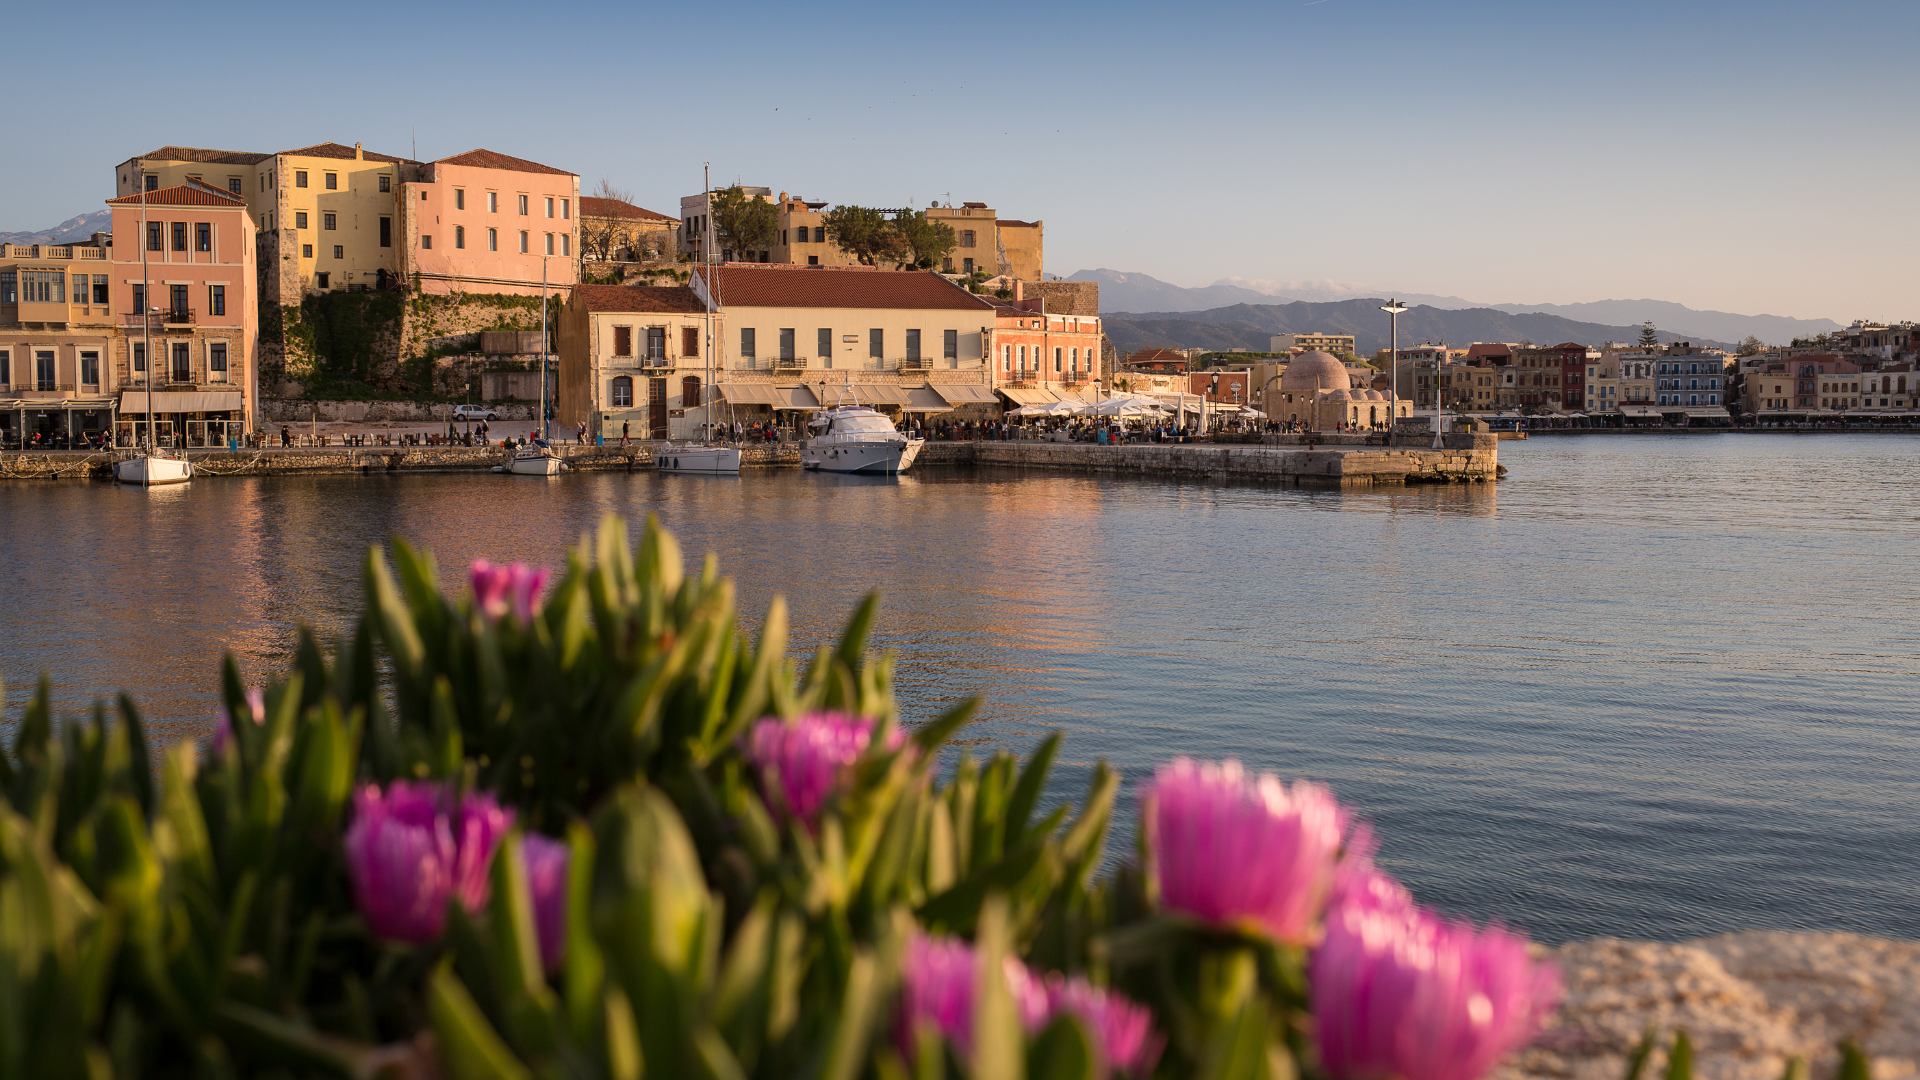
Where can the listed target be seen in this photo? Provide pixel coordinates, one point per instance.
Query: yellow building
(984, 241)
(57, 377)
(1337, 344)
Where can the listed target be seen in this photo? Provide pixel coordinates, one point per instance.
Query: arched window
(623, 392)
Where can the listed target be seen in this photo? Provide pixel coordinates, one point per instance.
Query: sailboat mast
(544, 358)
(146, 324)
(706, 391)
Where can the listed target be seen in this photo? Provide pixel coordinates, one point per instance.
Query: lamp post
(1393, 308)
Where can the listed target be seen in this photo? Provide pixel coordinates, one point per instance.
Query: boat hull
(710, 460)
(534, 465)
(870, 458)
(148, 471)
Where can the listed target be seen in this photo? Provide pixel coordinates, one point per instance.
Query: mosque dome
(1312, 371)
(1338, 395)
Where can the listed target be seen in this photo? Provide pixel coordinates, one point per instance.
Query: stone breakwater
(1466, 458)
(1748, 1002)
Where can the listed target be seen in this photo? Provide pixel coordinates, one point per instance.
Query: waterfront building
(1552, 377)
(1223, 386)
(1337, 344)
(632, 356)
(1687, 377)
(1161, 361)
(984, 241)
(614, 230)
(1621, 382)
(1040, 356)
(202, 314)
(1423, 371)
(57, 376)
(486, 222)
(1320, 393)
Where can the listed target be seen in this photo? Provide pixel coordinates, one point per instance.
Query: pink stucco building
(485, 222)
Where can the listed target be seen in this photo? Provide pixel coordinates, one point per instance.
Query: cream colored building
(984, 242)
(1337, 344)
(57, 335)
(632, 357)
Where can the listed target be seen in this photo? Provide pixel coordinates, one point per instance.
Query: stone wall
(295, 411)
(1333, 465)
(1065, 297)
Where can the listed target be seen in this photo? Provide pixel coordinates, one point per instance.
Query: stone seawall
(1336, 466)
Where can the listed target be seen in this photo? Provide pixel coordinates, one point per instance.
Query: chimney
(1019, 291)
(358, 154)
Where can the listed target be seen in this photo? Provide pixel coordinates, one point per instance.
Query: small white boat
(697, 458)
(535, 460)
(857, 439)
(153, 467)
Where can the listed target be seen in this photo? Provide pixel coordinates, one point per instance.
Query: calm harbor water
(1650, 687)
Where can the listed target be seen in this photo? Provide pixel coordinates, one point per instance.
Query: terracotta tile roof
(606, 208)
(182, 195)
(487, 159)
(208, 157)
(335, 150)
(772, 285)
(1011, 223)
(639, 298)
(1155, 356)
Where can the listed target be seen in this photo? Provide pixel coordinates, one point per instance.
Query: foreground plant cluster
(594, 831)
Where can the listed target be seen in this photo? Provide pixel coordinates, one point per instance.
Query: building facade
(1337, 344)
(1040, 356)
(632, 360)
(57, 335)
(486, 222)
(984, 242)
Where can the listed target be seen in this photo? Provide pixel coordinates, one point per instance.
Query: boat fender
(499, 468)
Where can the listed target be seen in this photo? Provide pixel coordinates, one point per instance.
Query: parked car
(474, 412)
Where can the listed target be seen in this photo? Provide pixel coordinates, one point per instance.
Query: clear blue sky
(1753, 157)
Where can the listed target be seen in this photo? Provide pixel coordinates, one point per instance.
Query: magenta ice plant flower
(414, 846)
(1238, 850)
(223, 731)
(515, 587)
(1121, 1028)
(1399, 992)
(546, 862)
(802, 764)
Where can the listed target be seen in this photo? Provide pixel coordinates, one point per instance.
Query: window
(966, 238)
(950, 344)
(216, 299)
(6, 368)
(1056, 359)
(43, 370)
(306, 250)
(140, 299)
(1023, 358)
(913, 344)
(299, 219)
(549, 206)
(233, 184)
(153, 183)
(746, 342)
(623, 341)
(177, 299)
(329, 222)
(622, 392)
(1006, 358)
(79, 288)
(333, 181)
(182, 362)
(786, 343)
(823, 344)
(320, 281)
(179, 236)
(549, 243)
(876, 343)
(689, 341)
(89, 369)
(813, 260)
(523, 241)
(386, 183)
(339, 251)
(426, 242)
(493, 202)
(493, 240)
(566, 243)
(217, 362)
(299, 178)
(459, 198)
(386, 232)
(566, 209)
(139, 356)
(100, 287)
(459, 236)
(656, 343)
(203, 237)
(10, 287)
(523, 206)
(43, 287)
(1073, 360)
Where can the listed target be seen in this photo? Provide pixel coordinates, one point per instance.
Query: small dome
(1337, 395)
(1311, 371)
(1372, 395)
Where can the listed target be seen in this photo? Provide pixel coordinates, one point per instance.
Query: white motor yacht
(695, 457)
(857, 439)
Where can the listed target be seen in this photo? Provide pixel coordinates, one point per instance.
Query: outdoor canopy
(135, 401)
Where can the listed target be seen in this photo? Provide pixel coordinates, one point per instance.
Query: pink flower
(496, 589)
(1236, 850)
(546, 862)
(939, 990)
(1397, 991)
(413, 847)
(223, 731)
(802, 764)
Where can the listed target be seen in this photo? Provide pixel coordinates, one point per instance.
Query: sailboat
(537, 458)
(150, 465)
(706, 457)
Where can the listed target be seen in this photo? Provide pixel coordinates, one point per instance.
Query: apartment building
(1622, 382)
(57, 380)
(1040, 357)
(985, 242)
(487, 222)
(614, 230)
(1690, 377)
(1337, 344)
(188, 317)
(633, 359)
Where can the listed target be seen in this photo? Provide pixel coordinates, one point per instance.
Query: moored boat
(153, 467)
(857, 439)
(537, 459)
(696, 458)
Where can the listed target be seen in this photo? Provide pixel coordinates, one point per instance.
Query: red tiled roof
(1011, 223)
(639, 298)
(487, 159)
(606, 208)
(182, 195)
(335, 150)
(207, 157)
(772, 285)
(1154, 356)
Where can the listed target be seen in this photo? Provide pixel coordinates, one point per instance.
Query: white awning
(873, 393)
(957, 394)
(750, 393)
(796, 399)
(1024, 396)
(923, 399)
(135, 401)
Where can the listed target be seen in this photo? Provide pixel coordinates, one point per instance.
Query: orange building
(1038, 357)
(484, 222)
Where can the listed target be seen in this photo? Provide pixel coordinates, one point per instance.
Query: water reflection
(1629, 690)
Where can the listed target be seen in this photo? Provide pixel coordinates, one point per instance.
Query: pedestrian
(623, 432)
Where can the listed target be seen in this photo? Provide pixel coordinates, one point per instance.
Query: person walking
(623, 432)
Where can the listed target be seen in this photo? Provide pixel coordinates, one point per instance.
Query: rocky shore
(1747, 1001)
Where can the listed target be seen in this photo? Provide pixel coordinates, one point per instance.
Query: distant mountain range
(1248, 326)
(70, 231)
(1131, 292)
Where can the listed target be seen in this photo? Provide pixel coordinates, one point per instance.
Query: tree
(1753, 346)
(610, 229)
(745, 223)
(928, 241)
(1649, 337)
(867, 235)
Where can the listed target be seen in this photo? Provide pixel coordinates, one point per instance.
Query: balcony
(923, 363)
(175, 317)
(790, 363)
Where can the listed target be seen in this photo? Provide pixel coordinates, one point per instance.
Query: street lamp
(1393, 308)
